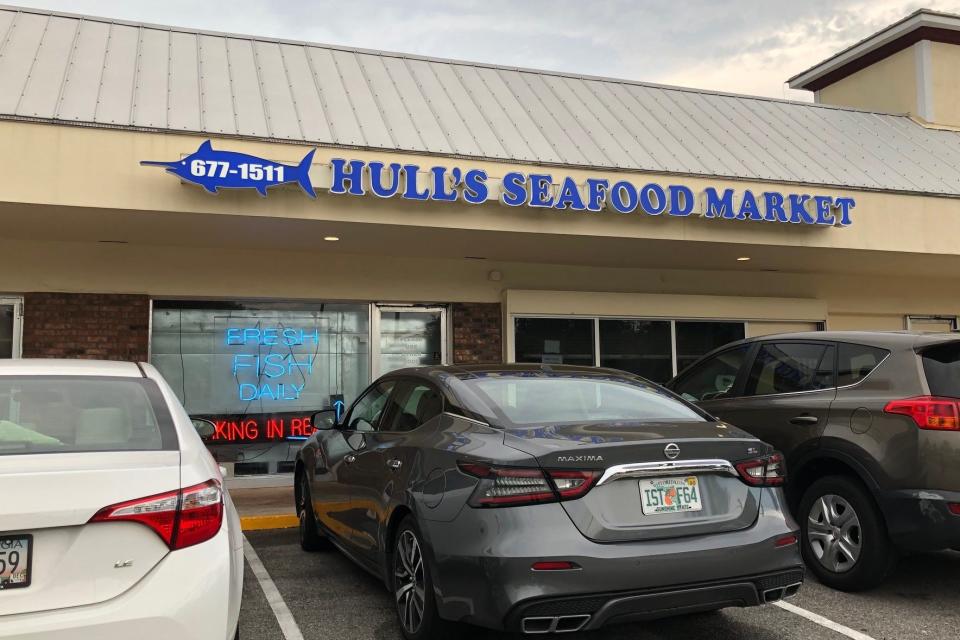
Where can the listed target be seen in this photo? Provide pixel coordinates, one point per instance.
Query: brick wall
(477, 331)
(86, 325)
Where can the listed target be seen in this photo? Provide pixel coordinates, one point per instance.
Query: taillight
(929, 412)
(181, 518)
(769, 471)
(511, 486)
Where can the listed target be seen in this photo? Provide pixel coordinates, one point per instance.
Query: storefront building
(274, 224)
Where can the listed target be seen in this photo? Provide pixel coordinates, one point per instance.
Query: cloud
(742, 46)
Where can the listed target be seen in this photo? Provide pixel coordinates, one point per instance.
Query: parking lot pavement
(330, 597)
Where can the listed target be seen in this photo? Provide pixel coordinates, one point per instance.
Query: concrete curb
(258, 523)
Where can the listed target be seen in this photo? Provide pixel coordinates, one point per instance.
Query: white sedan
(114, 523)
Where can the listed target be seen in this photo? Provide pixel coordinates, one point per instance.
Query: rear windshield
(533, 398)
(941, 364)
(64, 414)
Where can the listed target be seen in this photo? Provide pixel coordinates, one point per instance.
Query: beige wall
(52, 168)
(68, 188)
(887, 85)
(844, 301)
(945, 83)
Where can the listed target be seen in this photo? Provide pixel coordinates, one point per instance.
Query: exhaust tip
(773, 595)
(538, 625)
(554, 624)
(792, 590)
(569, 624)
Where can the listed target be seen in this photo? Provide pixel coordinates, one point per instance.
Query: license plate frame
(654, 492)
(8, 546)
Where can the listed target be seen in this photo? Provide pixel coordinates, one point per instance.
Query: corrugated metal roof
(93, 71)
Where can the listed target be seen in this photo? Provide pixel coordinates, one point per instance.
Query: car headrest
(430, 405)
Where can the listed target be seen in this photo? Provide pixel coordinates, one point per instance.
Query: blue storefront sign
(214, 170)
(544, 191)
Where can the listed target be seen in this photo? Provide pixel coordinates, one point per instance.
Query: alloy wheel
(408, 582)
(834, 533)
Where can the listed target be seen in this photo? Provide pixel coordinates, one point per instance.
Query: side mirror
(205, 428)
(324, 420)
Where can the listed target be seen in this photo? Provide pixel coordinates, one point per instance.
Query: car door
(356, 472)
(383, 466)
(785, 395)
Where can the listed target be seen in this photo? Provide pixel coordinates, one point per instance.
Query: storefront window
(638, 346)
(260, 370)
(554, 340)
(654, 349)
(410, 338)
(696, 339)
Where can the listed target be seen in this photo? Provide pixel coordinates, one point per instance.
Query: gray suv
(869, 423)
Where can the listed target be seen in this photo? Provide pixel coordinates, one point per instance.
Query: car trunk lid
(635, 460)
(51, 498)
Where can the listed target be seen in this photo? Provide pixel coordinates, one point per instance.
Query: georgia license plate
(15, 552)
(670, 495)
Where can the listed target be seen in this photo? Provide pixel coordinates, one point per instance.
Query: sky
(741, 46)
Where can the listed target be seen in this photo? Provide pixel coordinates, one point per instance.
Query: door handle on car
(394, 464)
(349, 458)
(804, 420)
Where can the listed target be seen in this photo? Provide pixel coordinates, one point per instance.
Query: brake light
(181, 518)
(954, 508)
(512, 486)
(770, 471)
(929, 412)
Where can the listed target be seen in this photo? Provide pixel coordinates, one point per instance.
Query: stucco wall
(887, 85)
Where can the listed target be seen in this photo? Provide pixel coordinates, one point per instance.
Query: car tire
(410, 578)
(844, 538)
(310, 538)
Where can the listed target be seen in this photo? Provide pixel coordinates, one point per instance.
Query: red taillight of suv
(181, 518)
(929, 412)
(512, 486)
(769, 471)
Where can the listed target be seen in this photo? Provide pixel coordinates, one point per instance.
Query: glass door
(408, 336)
(11, 312)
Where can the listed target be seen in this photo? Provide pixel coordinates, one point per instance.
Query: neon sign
(278, 376)
(258, 428)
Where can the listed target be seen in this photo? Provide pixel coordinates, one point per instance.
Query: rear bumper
(482, 561)
(188, 595)
(585, 613)
(919, 520)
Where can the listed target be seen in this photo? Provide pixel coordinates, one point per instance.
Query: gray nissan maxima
(542, 499)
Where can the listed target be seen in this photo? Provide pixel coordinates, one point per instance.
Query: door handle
(394, 464)
(804, 420)
(349, 458)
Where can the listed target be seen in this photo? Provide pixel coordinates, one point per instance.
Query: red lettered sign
(263, 427)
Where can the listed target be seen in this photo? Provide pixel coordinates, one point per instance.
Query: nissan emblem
(671, 451)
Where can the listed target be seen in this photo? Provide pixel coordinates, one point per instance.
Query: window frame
(756, 351)
(836, 364)
(368, 391)
(402, 383)
(739, 381)
(16, 346)
(510, 336)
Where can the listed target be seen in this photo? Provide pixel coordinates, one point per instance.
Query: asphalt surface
(332, 599)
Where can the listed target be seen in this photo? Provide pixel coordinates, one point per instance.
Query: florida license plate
(670, 495)
(15, 557)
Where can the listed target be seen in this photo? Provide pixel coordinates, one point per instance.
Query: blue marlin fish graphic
(215, 170)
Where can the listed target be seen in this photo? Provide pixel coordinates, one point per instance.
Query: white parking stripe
(288, 626)
(823, 622)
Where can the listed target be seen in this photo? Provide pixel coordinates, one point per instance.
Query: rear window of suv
(941, 365)
(65, 414)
